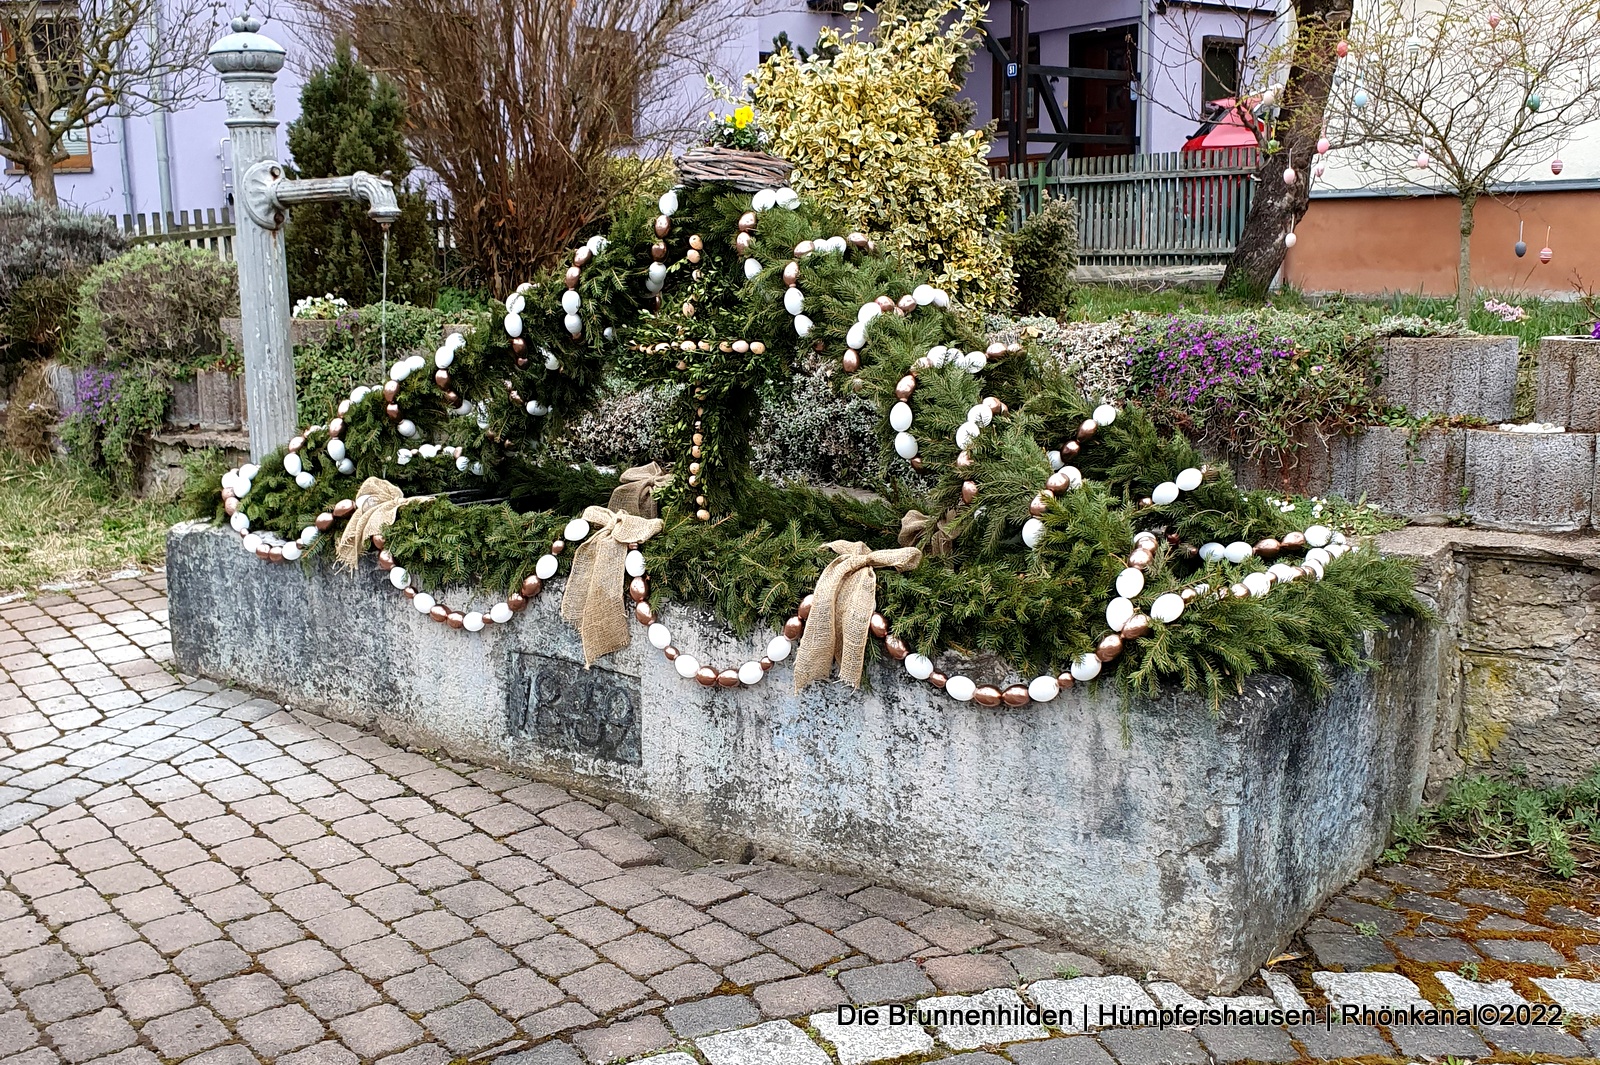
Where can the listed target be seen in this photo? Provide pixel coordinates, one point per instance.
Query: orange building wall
(1379, 245)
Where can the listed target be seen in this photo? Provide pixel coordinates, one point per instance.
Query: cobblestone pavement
(194, 874)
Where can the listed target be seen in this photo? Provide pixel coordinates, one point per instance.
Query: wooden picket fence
(1166, 209)
(214, 231)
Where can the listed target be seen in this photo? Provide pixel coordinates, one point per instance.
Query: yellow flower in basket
(743, 117)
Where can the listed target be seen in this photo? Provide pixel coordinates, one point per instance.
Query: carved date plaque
(557, 703)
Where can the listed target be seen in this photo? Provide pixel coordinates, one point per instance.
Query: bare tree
(66, 65)
(535, 115)
(1458, 96)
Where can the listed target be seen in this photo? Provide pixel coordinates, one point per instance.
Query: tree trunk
(42, 176)
(1469, 201)
(1259, 255)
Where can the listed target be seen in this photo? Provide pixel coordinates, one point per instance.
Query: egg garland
(763, 200)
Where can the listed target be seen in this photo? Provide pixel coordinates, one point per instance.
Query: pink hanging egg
(1289, 176)
(1289, 240)
(1422, 162)
(1545, 255)
(1494, 19)
(1343, 48)
(1318, 170)
(1556, 165)
(1323, 145)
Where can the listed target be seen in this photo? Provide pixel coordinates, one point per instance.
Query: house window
(43, 37)
(1002, 84)
(1219, 69)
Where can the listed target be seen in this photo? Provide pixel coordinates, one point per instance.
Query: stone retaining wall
(1474, 375)
(1567, 383)
(1161, 834)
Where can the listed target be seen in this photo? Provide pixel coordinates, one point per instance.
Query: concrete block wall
(1450, 375)
(1567, 383)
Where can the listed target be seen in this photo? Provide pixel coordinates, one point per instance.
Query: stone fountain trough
(1159, 834)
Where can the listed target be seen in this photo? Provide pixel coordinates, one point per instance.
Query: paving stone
(474, 959)
(895, 982)
(798, 996)
(1532, 1039)
(518, 993)
(773, 1043)
(377, 1031)
(1497, 923)
(970, 972)
(805, 945)
(604, 988)
(886, 902)
(827, 910)
(1411, 876)
(1091, 1001)
(1522, 951)
(336, 994)
(557, 1019)
(595, 925)
(668, 917)
(776, 884)
(761, 969)
(1154, 1046)
(72, 997)
(1370, 990)
(468, 1026)
(857, 1041)
(556, 955)
(685, 982)
(644, 955)
(1003, 1003)
(1348, 951)
(1580, 998)
(718, 1014)
(716, 944)
(977, 1058)
(211, 961)
(1340, 1041)
(299, 962)
(1068, 1050)
(562, 1054)
(117, 966)
(1467, 994)
(675, 1058)
(626, 1039)
(698, 889)
(1437, 1041)
(881, 940)
(179, 1035)
(1568, 917)
(1430, 949)
(1247, 1043)
(16, 1032)
(1443, 909)
(94, 1036)
(144, 999)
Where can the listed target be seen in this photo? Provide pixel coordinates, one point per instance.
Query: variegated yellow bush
(857, 121)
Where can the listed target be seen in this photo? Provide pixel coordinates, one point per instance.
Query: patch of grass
(1483, 816)
(1097, 303)
(1358, 518)
(60, 523)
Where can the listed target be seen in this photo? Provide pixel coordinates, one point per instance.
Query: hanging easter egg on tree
(1556, 165)
(1323, 145)
(1289, 239)
(1494, 19)
(1521, 248)
(1342, 48)
(1423, 161)
(1318, 170)
(1533, 101)
(1289, 176)
(1360, 98)
(1545, 255)
(1272, 144)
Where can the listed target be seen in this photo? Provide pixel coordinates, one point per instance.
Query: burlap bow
(594, 589)
(372, 517)
(636, 493)
(842, 609)
(915, 525)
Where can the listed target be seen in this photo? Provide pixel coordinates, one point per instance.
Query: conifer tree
(352, 120)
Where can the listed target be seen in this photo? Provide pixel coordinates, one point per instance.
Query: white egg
(1188, 480)
(336, 449)
(346, 467)
(794, 301)
(687, 666)
(657, 272)
(937, 355)
(1130, 582)
(403, 456)
(400, 371)
(867, 312)
(239, 522)
(1211, 552)
(308, 534)
(1258, 584)
(668, 203)
(500, 613)
(250, 543)
(1319, 535)
(407, 428)
(1032, 531)
(571, 301)
(304, 480)
(1074, 478)
(923, 294)
(291, 551)
(416, 362)
(905, 445)
(966, 433)
(423, 602)
(920, 667)
(292, 465)
(1105, 414)
(764, 200)
(552, 361)
(1167, 607)
(1118, 611)
(778, 648)
(1086, 669)
(941, 298)
(1319, 555)
(751, 269)
(545, 568)
(472, 621)
(960, 688)
(1164, 493)
(576, 530)
(1043, 689)
(900, 417)
(751, 673)
(573, 324)
(802, 325)
(633, 563)
(1237, 552)
(513, 325)
(1054, 458)
(980, 414)
(515, 303)
(660, 636)
(856, 336)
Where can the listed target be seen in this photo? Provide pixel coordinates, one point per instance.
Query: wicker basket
(745, 171)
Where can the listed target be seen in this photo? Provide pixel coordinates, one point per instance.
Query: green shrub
(350, 120)
(157, 305)
(353, 353)
(44, 253)
(116, 412)
(1044, 252)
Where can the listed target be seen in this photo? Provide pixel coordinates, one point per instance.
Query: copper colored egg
(391, 389)
(581, 257)
(519, 345)
(671, 653)
(702, 515)
(1108, 648)
(994, 404)
(885, 303)
(455, 619)
(343, 408)
(904, 387)
(393, 411)
(296, 443)
(742, 242)
(1058, 482)
(385, 560)
(728, 678)
(804, 248)
(343, 508)
(995, 350)
(532, 587)
(878, 625)
(851, 361)
(1039, 505)
(916, 462)
(437, 613)
(441, 378)
(693, 256)
(1268, 548)
(937, 679)
(857, 238)
(793, 628)
(264, 553)
(896, 647)
(905, 304)
(230, 506)
(275, 554)
(969, 491)
(663, 225)
(747, 221)
(1070, 449)
(409, 592)
(1016, 695)
(988, 695)
(696, 242)
(573, 274)
(378, 542)
(791, 274)
(964, 460)
(1293, 540)
(806, 604)
(757, 348)
(1137, 626)
(455, 400)
(1088, 428)
(1146, 501)
(639, 589)
(644, 614)
(335, 427)
(1139, 559)
(1065, 680)
(516, 601)
(324, 521)
(1174, 539)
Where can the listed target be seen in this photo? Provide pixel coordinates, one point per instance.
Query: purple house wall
(126, 172)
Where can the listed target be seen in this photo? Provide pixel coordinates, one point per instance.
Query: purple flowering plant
(112, 412)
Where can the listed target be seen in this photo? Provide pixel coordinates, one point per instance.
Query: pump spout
(269, 193)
